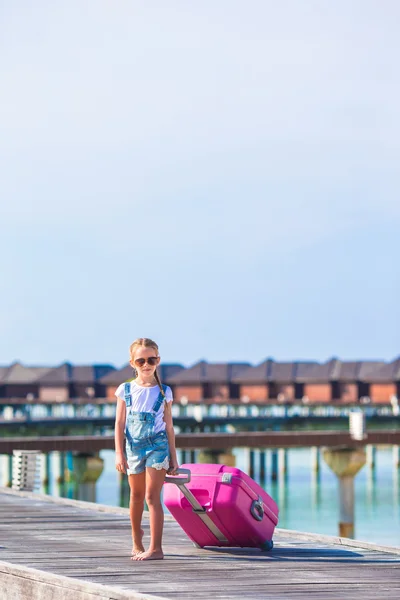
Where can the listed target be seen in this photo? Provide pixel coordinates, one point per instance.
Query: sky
(220, 176)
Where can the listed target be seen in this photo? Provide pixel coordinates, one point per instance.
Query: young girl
(145, 444)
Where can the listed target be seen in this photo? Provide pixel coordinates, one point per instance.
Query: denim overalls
(144, 447)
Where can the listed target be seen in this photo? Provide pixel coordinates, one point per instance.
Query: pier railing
(220, 441)
(10, 409)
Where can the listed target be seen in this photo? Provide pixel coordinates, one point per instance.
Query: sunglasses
(152, 361)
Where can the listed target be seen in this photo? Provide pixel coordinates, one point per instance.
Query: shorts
(149, 452)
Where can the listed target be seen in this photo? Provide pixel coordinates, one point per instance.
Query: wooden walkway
(211, 441)
(53, 549)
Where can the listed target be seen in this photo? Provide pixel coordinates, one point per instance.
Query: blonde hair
(146, 343)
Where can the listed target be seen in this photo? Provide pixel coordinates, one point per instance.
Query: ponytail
(156, 375)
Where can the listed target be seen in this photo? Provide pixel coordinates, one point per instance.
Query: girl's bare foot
(149, 555)
(138, 547)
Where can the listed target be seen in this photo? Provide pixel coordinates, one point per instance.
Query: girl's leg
(154, 482)
(137, 484)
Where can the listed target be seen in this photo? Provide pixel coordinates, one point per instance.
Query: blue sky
(220, 176)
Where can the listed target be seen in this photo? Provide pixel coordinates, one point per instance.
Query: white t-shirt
(143, 400)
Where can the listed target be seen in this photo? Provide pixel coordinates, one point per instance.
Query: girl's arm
(120, 460)
(169, 427)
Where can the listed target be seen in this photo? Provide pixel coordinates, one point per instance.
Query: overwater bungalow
(19, 381)
(53, 383)
(382, 382)
(208, 381)
(337, 382)
(270, 382)
(74, 381)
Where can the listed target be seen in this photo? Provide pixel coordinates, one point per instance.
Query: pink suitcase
(221, 506)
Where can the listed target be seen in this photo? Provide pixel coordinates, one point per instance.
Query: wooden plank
(29, 584)
(86, 546)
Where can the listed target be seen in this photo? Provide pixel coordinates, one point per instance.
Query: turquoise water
(306, 502)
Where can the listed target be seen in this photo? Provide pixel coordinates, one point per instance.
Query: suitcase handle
(179, 480)
(257, 509)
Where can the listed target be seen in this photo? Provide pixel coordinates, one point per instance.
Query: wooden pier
(59, 549)
(212, 441)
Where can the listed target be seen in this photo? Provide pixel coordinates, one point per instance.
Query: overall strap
(158, 403)
(127, 393)
(128, 402)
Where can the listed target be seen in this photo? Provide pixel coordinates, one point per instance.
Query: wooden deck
(212, 441)
(66, 550)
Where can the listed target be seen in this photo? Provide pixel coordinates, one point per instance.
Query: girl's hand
(173, 466)
(121, 463)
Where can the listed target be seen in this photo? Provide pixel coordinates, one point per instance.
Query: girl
(144, 429)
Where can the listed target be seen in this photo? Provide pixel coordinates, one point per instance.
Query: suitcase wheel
(196, 545)
(267, 546)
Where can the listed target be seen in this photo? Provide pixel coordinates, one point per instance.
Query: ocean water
(307, 502)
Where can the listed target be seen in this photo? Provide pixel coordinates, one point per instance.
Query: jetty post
(345, 463)
(316, 460)
(84, 470)
(274, 465)
(262, 463)
(283, 462)
(371, 456)
(396, 457)
(222, 457)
